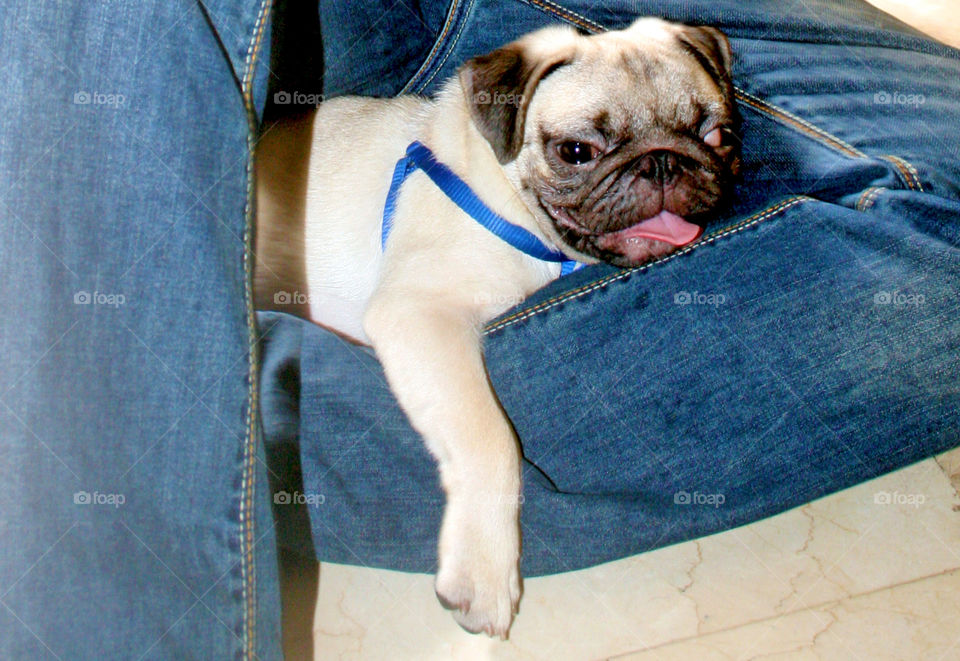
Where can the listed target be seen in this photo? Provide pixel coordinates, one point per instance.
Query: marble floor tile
(918, 620)
(950, 464)
(893, 530)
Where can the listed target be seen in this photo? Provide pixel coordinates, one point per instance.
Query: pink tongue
(665, 226)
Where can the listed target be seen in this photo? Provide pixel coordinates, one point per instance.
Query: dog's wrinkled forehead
(652, 73)
(624, 91)
(647, 76)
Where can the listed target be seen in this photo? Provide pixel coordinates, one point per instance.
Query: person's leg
(134, 518)
(805, 344)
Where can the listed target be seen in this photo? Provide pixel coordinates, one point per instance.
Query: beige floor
(850, 576)
(846, 577)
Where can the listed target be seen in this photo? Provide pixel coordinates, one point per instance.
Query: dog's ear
(712, 49)
(498, 88)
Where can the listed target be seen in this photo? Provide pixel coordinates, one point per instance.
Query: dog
(612, 147)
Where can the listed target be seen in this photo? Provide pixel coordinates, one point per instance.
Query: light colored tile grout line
(807, 607)
(866, 592)
(954, 571)
(953, 478)
(799, 597)
(315, 630)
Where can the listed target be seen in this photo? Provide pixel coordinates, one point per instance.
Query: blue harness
(455, 188)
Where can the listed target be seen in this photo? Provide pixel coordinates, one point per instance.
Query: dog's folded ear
(712, 50)
(498, 88)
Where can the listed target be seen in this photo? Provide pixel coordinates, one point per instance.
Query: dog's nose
(660, 166)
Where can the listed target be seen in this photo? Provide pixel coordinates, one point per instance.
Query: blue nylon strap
(402, 170)
(455, 188)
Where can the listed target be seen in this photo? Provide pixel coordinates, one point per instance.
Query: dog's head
(619, 142)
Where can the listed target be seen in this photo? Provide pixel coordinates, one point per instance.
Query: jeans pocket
(475, 27)
(446, 41)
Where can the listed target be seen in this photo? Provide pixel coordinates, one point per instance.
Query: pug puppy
(611, 147)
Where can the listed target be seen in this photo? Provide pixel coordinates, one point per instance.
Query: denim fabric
(808, 342)
(375, 41)
(134, 519)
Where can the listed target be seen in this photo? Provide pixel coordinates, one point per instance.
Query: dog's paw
(481, 601)
(479, 575)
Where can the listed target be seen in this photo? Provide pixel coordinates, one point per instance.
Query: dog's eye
(577, 153)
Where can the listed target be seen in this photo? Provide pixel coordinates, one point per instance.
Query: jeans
(808, 342)
(134, 519)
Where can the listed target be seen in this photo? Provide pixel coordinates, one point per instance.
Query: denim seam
(448, 22)
(868, 197)
(801, 124)
(539, 308)
(913, 171)
(248, 469)
(909, 173)
(453, 44)
(566, 14)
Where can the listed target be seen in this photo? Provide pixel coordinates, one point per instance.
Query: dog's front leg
(431, 353)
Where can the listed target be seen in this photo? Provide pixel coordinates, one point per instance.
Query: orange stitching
(904, 173)
(603, 282)
(436, 46)
(868, 197)
(453, 44)
(910, 174)
(248, 476)
(567, 15)
(913, 171)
